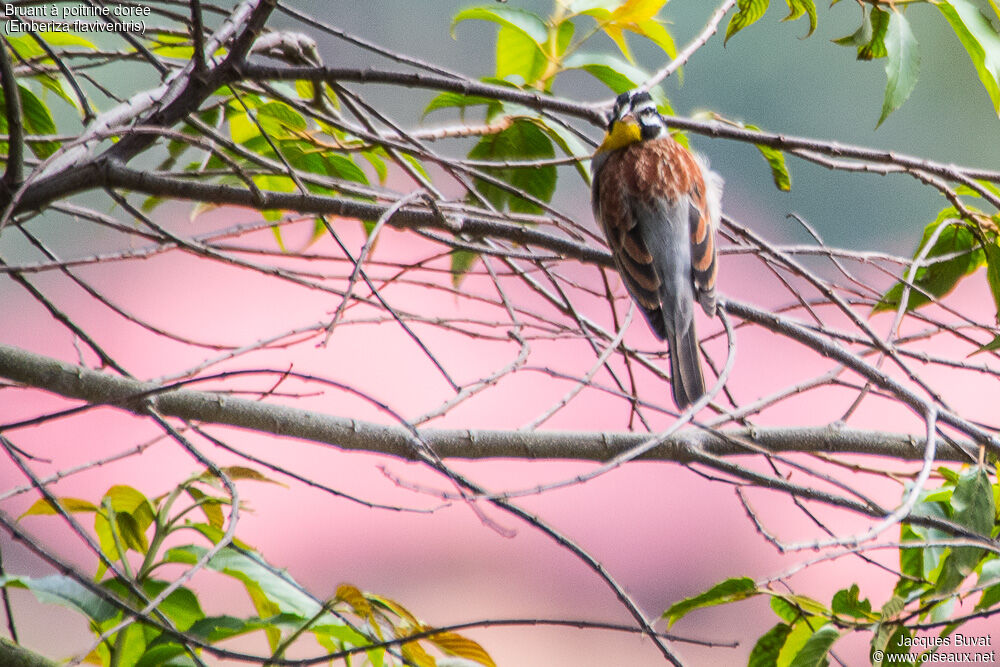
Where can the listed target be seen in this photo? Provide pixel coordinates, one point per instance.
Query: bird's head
(633, 119)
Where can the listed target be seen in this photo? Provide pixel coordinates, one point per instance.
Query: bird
(659, 207)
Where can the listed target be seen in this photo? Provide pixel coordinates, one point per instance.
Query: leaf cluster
(930, 586)
(139, 537)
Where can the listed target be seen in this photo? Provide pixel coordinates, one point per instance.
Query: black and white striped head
(638, 107)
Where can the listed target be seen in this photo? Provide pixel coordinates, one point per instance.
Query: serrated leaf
(730, 590)
(875, 48)
(980, 40)
(939, 278)
(776, 161)
(748, 11)
(799, 8)
(813, 653)
(765, 652)
(902, 66)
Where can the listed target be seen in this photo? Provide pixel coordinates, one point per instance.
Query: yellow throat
(623, 133)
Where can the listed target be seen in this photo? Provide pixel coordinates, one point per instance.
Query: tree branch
(97, 388)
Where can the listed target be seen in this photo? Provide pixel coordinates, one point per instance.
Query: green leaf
(730, 590)
(42, 506)
(461, 262)
(765, 651)
(654, 31)
(210, 507)
(992, 253)
(571, 145)
(973, 508)
(939, 278)
(902, 66)
(785, 609)
(932, 556)
(249, 568)
(862, 35)
(65, 591)
(799, 8)
(980, 40)
(518, 55)
(277, 118)
(612, 71)
(523, 140)
(814, 652)
(796, 639)
(747, 14)
(564, 35)
(447, 100)
(848, 603)
(452, 643)
(990, 346)
(38, 120)
(67, 39)
(989, 579)
(181, 606)
(531, 25)
(776, 161)
(875, 48)
(891, 640)
(374, 158)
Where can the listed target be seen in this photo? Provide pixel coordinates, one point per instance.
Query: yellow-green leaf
(43, 506)
(730, 590)
(453, 643)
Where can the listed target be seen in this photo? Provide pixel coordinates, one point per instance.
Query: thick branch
(94, 387)
(116, 175)
(14, 173)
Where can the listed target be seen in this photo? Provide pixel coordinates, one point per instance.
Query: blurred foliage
(141, 535)
(930, 586)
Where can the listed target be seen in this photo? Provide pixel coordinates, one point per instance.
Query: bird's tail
(686, 379)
